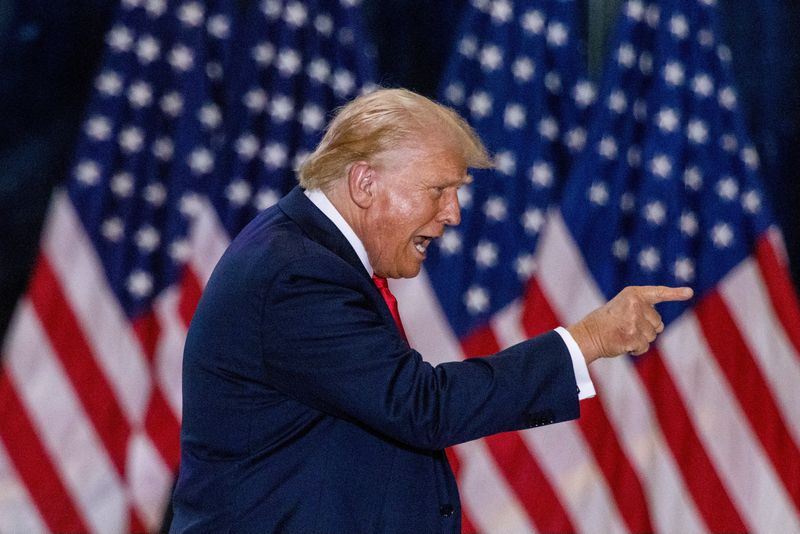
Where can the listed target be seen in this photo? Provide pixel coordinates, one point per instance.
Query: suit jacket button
(446, 510)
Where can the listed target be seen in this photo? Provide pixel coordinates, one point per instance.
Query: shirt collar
(321, 201)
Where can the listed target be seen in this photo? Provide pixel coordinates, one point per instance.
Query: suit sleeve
(325, 344)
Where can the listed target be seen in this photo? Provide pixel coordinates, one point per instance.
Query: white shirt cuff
(579, 367)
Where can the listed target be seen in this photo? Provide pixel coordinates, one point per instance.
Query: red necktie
(391, 302)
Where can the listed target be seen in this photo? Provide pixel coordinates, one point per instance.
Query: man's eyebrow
(465, 180)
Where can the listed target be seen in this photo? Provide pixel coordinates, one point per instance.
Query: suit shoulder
(273, 243)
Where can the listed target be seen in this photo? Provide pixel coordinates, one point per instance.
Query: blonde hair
(382, 120)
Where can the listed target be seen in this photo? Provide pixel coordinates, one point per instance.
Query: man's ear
(360, 183)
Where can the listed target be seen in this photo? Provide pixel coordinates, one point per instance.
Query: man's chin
(411, 271)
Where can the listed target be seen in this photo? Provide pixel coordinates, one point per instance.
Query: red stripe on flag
(34, 465)
(781, 290)
(147, 329)
(702, 480)
(624, 483)
(520, 469)
(526, 478)
(751, 389)
(537, 314)
(479, 342)
(191, 290)
(76, 355)
(136, 525)
(164, 428)
(467, 526)
(617, 470)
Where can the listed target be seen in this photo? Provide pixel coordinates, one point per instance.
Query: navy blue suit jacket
(306, 412)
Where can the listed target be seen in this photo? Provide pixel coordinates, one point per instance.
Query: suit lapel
(318, 227)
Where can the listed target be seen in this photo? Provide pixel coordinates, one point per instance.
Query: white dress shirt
(579, 367)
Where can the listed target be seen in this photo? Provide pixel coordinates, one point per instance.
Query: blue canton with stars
(196, 100)
(518, 77)
(667, 191)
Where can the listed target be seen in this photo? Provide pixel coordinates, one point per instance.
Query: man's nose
(450, 212)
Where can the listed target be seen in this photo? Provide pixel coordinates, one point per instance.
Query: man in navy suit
(305, 409)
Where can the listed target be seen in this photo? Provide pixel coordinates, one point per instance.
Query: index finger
(656, 294)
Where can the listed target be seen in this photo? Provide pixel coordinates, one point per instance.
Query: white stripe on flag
(568, 286)
(62, 425)
(18, 513)
(169, 350)
(632, 415)
(563, 452)
(80, 273)
(207, 240)
(748, 476)
(113, 342)
(566, 461)
(562, 274)
(491, 504)
(748, 301)
(507, 325)
(150, 480)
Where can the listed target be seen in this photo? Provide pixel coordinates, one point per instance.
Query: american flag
(701, 433)
(198, 114)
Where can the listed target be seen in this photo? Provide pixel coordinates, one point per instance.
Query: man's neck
(326, 205)
(338, 196)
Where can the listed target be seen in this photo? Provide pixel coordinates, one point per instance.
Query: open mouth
(421, 243)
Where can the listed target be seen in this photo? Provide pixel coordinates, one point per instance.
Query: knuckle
(628, 292)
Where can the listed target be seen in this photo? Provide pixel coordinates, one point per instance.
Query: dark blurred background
(49, 51)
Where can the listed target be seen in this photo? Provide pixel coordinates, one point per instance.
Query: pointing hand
(628, 323)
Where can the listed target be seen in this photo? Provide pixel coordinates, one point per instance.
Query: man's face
(415, 197)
